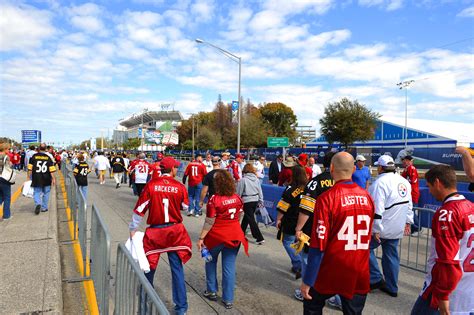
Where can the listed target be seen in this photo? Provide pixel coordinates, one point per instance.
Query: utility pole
(102, 140)
(404, 85)
(193, 135)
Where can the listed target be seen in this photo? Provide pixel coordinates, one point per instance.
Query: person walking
(411, 175)
(101, 164)
(225, 160)
(393, 216)
(208, 163)
(259, 166)
(235, 167)
(316, 170)
(140, 169)
(361, 175)
(449, 283)
(196, 171)
(163, 197)
(338, 259)
(126, 162)
(250, 190)
(40, 171)
(287, 217)
(208, 181)
(275, 169)
(81, 170)
(118, 169)
(284, 178)
(221, 233)
(5, 186)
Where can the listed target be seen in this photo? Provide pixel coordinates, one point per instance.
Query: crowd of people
(329, 220)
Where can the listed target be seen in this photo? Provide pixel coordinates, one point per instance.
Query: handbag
(8, 173)
(27, 190)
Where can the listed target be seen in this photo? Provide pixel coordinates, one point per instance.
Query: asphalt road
(264, 283)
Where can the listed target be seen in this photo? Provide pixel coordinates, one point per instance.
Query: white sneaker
(298, 295)
(333, 302)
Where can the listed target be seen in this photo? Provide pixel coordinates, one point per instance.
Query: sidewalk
(30, 276)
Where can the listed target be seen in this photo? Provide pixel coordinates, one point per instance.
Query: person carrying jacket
(251, 192)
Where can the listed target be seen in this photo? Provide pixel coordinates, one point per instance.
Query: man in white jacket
(393, 216)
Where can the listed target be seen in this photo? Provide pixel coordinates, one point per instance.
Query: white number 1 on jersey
(166, 204)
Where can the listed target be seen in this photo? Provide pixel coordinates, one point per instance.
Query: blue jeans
(5, 198)
(422, 306)
(390, 263)
(415, 227)
(295, 259)
(229, 255)
(41, 196)
(194, 193)
(304, 261)
(177, 280)
(83, 189)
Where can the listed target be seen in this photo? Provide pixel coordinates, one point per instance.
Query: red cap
(239, 155)
(303, 158)
(168, 162)
(159, 156)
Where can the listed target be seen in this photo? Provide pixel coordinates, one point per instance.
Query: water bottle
(205, 254)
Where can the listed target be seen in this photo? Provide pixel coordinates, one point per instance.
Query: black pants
(249, 219)
(139, 188)
(355, 306)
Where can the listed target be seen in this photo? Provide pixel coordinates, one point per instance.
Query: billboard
(30, 136)
(161, 137)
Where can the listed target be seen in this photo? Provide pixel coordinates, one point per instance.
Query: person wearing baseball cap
(225, 160)
(163, 198)
(284, 178)
(236, 166)
(361, 176)
(410, 173)
(208, 181)
(393, 216)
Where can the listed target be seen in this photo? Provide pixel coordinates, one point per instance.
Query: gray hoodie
(249, 188)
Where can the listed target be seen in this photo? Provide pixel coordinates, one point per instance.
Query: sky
(73, 69)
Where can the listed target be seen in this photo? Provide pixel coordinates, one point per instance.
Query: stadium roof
(463, 133)
(136, 119)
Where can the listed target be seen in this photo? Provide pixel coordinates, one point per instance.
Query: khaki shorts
(102, 172)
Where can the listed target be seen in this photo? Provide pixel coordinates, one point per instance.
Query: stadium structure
(429, 141)
(156, 128)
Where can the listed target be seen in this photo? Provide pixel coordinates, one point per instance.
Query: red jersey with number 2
(451, 263)
(196, 172)
(342, 229)
(163, 197)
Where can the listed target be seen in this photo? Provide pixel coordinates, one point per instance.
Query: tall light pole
(404, 85)
(237, 59)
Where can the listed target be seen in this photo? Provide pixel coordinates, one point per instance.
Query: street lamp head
(199, 41)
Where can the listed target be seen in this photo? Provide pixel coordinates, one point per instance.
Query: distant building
(429, 141)
(157, 128)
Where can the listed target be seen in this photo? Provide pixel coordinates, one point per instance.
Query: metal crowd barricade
(133, 293)
(81, 223)
(100, 259)
(414, 251)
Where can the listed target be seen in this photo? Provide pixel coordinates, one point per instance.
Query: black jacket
(273, 171)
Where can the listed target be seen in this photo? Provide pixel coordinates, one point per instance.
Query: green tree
(348, 121)
(280, 119)
(131, 144)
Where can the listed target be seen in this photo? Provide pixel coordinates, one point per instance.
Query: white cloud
(467, 12)
(295, 7)
(23, 27)
(389, 5)
(203, 10)
(87, 18)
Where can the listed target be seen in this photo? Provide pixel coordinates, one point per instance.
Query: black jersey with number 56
(41, 167)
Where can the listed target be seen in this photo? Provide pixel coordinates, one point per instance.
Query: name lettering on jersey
(229, 201)
(169, 189)
(297, 192)
(40, 157)
(354, 200)
(326, 183)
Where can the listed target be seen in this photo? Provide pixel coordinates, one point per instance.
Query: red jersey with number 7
(163, 197)
(451, 263)
(196, 172)
(342, 229)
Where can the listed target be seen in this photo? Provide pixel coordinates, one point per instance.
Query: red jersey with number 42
(196, 172)
(342, 228)
(451, 263)
(163, 197)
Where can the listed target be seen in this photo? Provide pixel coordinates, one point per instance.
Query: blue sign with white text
(30, 136)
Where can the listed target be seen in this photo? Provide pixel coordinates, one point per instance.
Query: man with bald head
(338, 258)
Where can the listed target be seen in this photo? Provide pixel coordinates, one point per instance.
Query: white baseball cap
(360, 157)
(385, 160)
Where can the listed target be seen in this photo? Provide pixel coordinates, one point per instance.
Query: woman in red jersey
(222, 233)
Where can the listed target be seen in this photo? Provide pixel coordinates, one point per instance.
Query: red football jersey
(451, 262)
(342, 229)
(411, 175)
(224, 207)
(15, 158)
(140, 169)
(164, 197)
(195, 172)
(155, 170)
